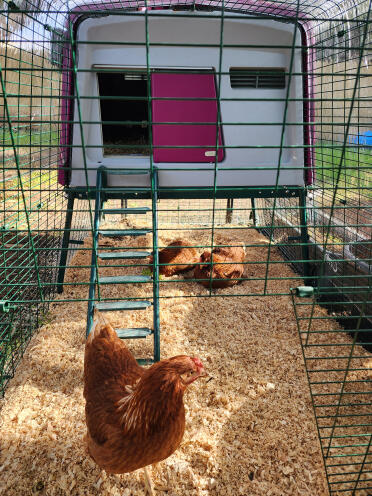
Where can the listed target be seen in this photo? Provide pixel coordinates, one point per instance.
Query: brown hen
(184, 259)
(227, 266)
(135, 416)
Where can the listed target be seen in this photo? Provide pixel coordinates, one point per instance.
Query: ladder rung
(137, 210)
(124, 279)
(125, 232)
(112, 306)
(126, 172)
(133, 333)
(124, 189)
(145, 361)
(109, 255)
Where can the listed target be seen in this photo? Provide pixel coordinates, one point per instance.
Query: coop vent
(271, 78)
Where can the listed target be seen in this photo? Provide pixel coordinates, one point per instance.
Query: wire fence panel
(229, 127)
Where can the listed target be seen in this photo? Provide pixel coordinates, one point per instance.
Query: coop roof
(303, 9)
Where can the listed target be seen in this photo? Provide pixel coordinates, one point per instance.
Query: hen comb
(197, 362)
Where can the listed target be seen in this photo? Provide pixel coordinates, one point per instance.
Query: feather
(177, 253)
(227, 266)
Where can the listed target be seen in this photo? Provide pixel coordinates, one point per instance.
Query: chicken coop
(235, 135)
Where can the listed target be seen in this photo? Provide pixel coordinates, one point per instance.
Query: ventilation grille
(241, 77)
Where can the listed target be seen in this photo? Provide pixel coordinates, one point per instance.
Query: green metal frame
(194, 192)
(65, 241)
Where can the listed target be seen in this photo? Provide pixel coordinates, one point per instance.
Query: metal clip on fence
(303, 291)
(6, 306)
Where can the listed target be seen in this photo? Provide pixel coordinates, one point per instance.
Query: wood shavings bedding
(250, 431)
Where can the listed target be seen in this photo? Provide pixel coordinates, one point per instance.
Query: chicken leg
(148, 482)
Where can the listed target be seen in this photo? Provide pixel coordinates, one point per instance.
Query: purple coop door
(185, 85)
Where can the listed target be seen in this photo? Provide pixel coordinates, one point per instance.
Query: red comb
(197, 362)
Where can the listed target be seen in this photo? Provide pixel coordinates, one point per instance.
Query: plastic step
(145, 361)
(125, 189)
(133, 333)
(112, 306)
(108, 255)
(124, 279)
(124, 232)
(126, 172)
(138, 210)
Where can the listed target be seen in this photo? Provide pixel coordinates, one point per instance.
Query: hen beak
(200, 373)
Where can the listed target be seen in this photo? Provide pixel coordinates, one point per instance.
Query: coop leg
(65, 243)
(101, 178)
(304, 234)
(253, 213)
(229, 210)
(123, 204)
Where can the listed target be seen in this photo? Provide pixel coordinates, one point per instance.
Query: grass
(36, 186)
(356, 169)
(32, 181)
(28, 137)
(30, 151)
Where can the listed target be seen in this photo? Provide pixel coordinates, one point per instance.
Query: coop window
(268, 78)
(124, 114)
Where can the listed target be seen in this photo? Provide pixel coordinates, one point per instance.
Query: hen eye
(187, 375)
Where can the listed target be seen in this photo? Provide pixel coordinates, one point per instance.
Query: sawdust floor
(250, 431)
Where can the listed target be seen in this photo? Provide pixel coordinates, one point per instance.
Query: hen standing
(135, 416)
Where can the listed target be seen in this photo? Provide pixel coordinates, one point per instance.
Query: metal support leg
(253, 213)
(304, 234)
(123, 204)
(93, 268)
(229, 210)
(65, 243)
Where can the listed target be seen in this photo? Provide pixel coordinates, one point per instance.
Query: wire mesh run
(255, 117)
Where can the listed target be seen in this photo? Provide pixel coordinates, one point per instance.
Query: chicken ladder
(96, 302)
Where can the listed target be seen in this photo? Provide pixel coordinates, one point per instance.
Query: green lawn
(356, 168)
(25, 137)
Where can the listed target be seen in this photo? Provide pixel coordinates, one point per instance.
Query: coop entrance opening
(124, 115)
